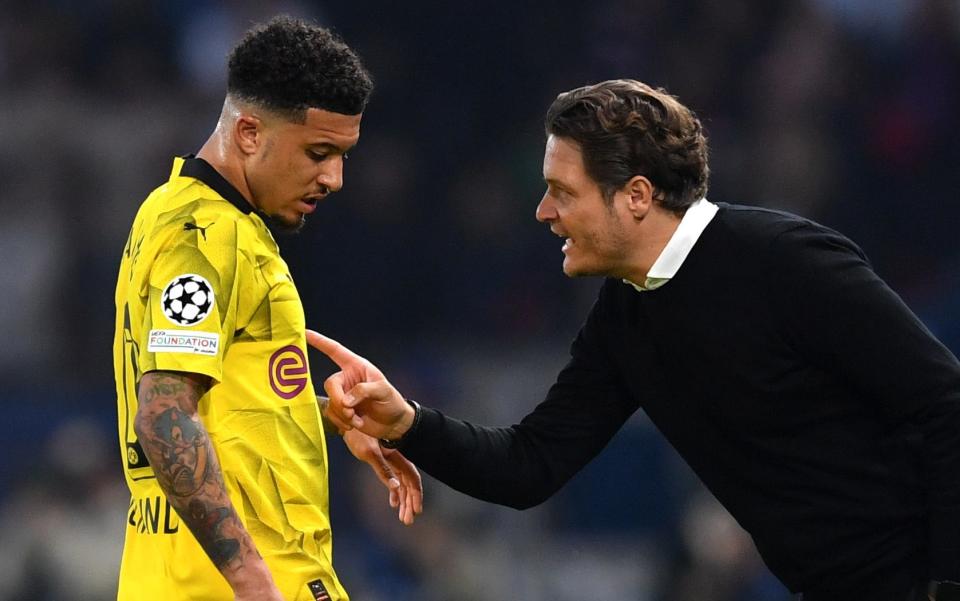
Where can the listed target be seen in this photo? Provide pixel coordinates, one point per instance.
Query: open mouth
(567, 242)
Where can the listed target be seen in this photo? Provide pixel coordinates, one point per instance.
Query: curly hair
(626, 128)
(288, 66)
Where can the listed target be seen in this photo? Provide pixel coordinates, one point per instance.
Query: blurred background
(430, 261)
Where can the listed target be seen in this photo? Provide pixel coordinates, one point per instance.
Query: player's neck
(650, 237)
(215, 152)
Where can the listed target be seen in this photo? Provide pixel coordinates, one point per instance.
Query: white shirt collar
(694, 221)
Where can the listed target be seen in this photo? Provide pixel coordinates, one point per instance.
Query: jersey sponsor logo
(318, 591)
(288, 372)
(183, 341)
(189, 226)
(152, 515)
(187, 299)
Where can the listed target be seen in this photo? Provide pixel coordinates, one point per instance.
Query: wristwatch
(944, 590)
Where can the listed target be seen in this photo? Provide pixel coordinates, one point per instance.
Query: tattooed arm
(185, 463)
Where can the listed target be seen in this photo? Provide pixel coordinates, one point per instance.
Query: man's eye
(317, 156)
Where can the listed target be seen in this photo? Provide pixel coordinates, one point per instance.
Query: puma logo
(193, 226)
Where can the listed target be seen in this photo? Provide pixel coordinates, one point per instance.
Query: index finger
(338, 353)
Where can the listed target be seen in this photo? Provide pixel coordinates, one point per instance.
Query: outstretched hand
(361, 397)
(394, 470)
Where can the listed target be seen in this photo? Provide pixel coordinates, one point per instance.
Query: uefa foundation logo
(288, 372)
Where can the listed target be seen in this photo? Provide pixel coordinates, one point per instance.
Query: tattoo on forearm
(183, 449)
(220, 549)
(186, 466)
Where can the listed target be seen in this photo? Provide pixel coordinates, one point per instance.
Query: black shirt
(798, 386)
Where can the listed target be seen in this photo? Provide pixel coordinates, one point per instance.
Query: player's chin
(576, 269)
(288, 224)
(572, 268)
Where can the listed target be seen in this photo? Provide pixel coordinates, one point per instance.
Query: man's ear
(248, 133)
(639, 192)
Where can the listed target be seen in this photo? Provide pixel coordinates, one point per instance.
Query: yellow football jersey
(202, 289)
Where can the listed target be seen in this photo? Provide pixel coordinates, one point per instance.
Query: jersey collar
(694, 221)
(199, 169)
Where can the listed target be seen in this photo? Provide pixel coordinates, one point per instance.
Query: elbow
(533, 485)
(530, 495)
(508, 493)
(526, 502)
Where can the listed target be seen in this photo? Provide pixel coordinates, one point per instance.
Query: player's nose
(331, 177)
(546, 210)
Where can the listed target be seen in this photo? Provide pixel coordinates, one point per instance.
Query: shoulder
(196, 215)
(757, 222)
(196, 200)
(195, 231)
(763, 230)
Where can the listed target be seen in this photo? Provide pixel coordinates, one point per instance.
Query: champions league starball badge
(187, 299)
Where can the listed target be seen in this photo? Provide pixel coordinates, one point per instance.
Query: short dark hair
(288, 65)
(626, 128)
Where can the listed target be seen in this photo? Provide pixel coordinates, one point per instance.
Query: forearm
(519, 466)
(522, 465)
(188, 471)
(490, 464)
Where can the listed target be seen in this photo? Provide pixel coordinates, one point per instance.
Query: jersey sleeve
(192, 297)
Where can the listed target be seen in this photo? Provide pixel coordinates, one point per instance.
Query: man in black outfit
(799, 387)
